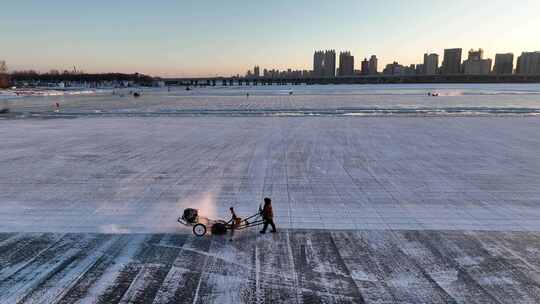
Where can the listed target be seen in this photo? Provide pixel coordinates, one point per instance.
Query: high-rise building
(420, 69)
(504, 64)
(410, 70)
(476, 64)
(365, 67)
(346, 64)
(431, 64)
(257, 71)
(476, 55)
(324, 63)
(330, 64)
(528, 63)
(452, 61)
(373, 65)
(318, 64)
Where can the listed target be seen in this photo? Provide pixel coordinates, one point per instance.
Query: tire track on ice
(25, 253)
(448, 274)
(17, 286)
(59, 282)
(82, 285)
(153, 272)
(185, 274)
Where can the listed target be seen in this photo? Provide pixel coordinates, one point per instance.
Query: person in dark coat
(268, 216)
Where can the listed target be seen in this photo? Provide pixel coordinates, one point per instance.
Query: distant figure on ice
(290, 93)
(268, 216)
(247, 95)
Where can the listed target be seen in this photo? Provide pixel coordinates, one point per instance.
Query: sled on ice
(201, 224)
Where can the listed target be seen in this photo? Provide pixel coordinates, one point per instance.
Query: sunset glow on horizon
(191, 38)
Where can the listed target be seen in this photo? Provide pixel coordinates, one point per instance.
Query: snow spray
(205, 204)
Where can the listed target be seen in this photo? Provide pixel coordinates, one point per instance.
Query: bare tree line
(57, 76)
(82, 77)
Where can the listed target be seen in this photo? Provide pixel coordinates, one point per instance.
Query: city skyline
(206, 39)
(325, 62)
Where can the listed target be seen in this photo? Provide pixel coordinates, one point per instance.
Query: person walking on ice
(268, 216)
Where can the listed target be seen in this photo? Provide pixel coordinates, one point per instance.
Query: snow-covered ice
(464, 99)
(135, 175)
(382, 209)
(289, 267)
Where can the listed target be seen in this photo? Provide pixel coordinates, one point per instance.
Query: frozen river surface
(464, 99)
(382, 209)
(135, 175)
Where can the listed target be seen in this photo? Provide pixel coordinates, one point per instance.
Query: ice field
(137, 174)
(401, 206)
(464, 99)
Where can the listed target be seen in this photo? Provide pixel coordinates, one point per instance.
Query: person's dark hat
(267, 200)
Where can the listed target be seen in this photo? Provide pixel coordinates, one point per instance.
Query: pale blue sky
(195, 38)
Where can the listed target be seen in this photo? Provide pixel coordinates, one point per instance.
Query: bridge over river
(373, 79)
